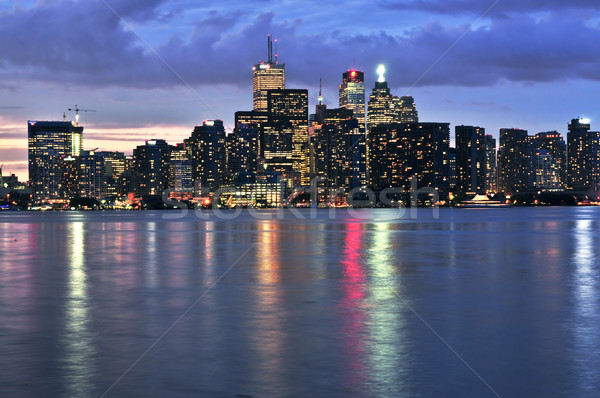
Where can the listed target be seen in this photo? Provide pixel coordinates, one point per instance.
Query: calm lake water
(475, 303)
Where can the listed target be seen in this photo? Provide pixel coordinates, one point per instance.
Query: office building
(48, 142)
(408, 110)
(267, 75)
(242, 151)
(117, 168)
(339, 151)
(286, 135)
(180, 169)
(387, 108)
(83, 176)
(352, 94)
(207, 148)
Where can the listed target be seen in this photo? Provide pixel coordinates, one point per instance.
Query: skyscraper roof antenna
(320, 88)
(269, 49)
(276, 53)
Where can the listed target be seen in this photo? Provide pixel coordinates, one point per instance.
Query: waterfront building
(514, 161)
(583, 171)
(470, 159)
(207, 148)
(83, 176)
(400, 151)
(48, 142)
(491, 170)
(180, 169)
(550, 160)
(242, 150)
(547, 171)
(452, 169)
(339, 151)
(117, 167)
(254, 190)
(150, 168)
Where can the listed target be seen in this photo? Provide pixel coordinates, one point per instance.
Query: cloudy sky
(156, 68)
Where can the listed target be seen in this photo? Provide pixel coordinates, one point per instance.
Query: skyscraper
(491, 170)
(400, 151)
(286, 135)
(470, 159)
(383, 106)
(117, 167)
(180, 169)
(207, 146)
(550, 160)
(48, 143)
(408, 110)
(267, 75)
(583, 148)
(150, 168)
(513, 161)
(387, 108)
(352, 93)
(242, 151)
(339, 150)
(83, 176)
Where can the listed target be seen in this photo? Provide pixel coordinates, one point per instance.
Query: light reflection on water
(586, 339)
(79, 350)
(313, 309)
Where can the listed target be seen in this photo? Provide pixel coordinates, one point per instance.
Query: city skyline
(139, 97)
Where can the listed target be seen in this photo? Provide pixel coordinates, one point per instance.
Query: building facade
(207, 148)
(470, 159)
(267, 75)
(491, 169)
(150, 168)
(400, 152)
(513, 161)
(583, 171)
(83, 176)
(48, 142)
(286, 134)
(352, 94)
(550, 160)
(242, 151)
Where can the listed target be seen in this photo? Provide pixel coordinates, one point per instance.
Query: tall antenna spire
(276, 53)
(320, 88)
(269, 49)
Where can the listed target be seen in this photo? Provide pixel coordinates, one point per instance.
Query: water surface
(478, 302)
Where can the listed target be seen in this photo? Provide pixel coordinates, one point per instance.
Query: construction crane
(77, 110)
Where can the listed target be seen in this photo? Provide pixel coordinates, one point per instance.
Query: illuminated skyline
(517, 67)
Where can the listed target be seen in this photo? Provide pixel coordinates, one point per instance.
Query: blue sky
(154, 69)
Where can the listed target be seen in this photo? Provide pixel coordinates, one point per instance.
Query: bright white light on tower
(381, 72)
(584, 120)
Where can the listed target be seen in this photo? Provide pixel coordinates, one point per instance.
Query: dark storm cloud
(85, 44)
(479, 6)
